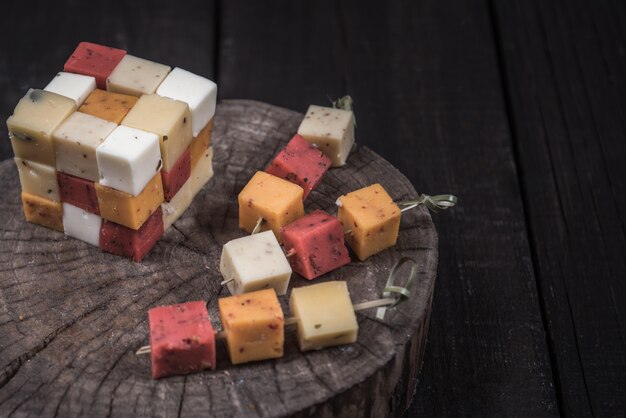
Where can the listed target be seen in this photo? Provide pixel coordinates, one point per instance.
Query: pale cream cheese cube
(81, 224)
(136, 76)
(74, 86)
(331, 130)
(174, 209)
(38, 179)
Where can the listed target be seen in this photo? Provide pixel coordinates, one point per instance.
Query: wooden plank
(425, 80)
(564, 67)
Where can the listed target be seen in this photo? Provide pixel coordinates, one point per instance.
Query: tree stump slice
(71, 316)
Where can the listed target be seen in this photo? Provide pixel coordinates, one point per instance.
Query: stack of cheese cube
(113, 150)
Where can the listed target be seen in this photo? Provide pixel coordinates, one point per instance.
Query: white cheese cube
(136, 76)
(81, 224)
(331, 130)
(76, 141)
(202, 172)
(255, 262)
(173, 209)
(75, 86)
(38, 179)
(128, 159)
(198, 92)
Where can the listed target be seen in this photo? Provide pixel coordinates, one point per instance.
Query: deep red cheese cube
(300, 163)
(174, 179)
(95, 60)
(120, 240)
(78, 192)
(182, 339)
(317, 244)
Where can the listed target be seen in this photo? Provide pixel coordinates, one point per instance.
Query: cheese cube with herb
(174, 179)
(254, 326)
(44, 212)
(132, 243)
(277, 201)
(38, 179)
(325, 316)
(175, 207)
(94, 60)
(108, 106)
(202, 172)
(75, 86)
(331, 130)
(35, 118)
(370, 219)
(255, 262)
(136, 76)
(79, 223)
(78, 192)
(200, 144)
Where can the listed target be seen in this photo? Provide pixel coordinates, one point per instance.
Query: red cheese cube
(317, 240)
(135, 244)
(300, 163)
(78, 192)
(182, 339)
(174, 179)
(95, 60)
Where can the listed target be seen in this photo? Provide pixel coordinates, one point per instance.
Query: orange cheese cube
(42, 211)
(372, 218)
(277, 201)
(201, 143)
(126, 209)
(108, 106)
(254, 326)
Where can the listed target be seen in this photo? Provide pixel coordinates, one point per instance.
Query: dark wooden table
(519, 108)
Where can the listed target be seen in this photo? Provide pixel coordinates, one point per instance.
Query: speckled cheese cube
(136, 76)
(372, 219)
(198, 92)
(174, 209)
(277, 201)
(200, 144)
(254, 326)
(34, 119)
(202, 172)
(332, 130)
(168, 118)
(81, 224)
(42, 211)
(325, 316)
(128, 159)
(38, 179)
(108, 106)
(76, 141)
(94, 60)
(74, 86)
(255, 262)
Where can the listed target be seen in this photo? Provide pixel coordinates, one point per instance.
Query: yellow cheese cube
(325, 316)
(201, 144)
(34, 119)
(43, 211)
(126, 209)
(254, 326)
(372, 219)
(277, 201)
(38, 179)
(107, 105)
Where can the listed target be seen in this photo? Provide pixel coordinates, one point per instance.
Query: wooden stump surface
(71, 317)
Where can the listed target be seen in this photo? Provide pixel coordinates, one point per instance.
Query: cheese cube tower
(35, 118)
(317, 243)
(300, 163)
(255, 262)
(254, 326)
(38, 179)
(331, 130)
(182, 339)
(370, 219)
(131, 243)
(198, 92)
(78, 192)
(136, 76)
(94, 60)
(79, 223)
(324, 315)
(277, 201)
(108, 106)
(76, 141)
(74, 86)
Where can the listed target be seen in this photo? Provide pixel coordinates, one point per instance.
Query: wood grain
(71, 316)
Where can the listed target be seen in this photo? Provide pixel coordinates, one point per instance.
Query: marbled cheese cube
(174, 209)
(202, 172)
(94, 60)
(254, 326)
(108, 106)
(325, 316)
(174, 179)
(76, 140)
(200, 144)
(255, 262)
(78, 192)
(126, 209)
(332, 130)
(81, 224)
(75, 86)
(129, 242)
(34, 119)
(277, 201)
(43, 211)
(136, 76)
(370, 219)
(128, 159)
(38, 179)
(198, 92)
(168, 118)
